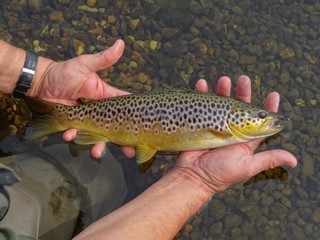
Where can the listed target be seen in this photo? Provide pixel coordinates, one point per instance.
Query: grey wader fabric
(55, 188)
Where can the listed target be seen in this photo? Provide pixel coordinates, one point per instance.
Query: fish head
(249, 122)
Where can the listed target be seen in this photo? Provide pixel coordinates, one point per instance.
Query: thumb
(271, 159)
(101, 60)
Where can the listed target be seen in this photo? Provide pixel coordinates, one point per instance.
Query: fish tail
(47, 118)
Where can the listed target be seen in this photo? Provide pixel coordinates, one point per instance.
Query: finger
(202, 85)
(271, 103)
(104, 59)
(69, 135)
(270, 159)
(98, 150)
(243, 91)
(129, 151)
(109, 91)
(224, 86)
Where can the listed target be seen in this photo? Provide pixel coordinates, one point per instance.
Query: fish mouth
(276, 123)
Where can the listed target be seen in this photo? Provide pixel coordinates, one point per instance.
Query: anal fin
(144, 153)
(86, 138)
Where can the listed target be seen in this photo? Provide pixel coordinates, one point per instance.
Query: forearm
(158, 213)
(11, 63)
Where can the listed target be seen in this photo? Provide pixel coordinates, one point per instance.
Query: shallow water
(177, 42)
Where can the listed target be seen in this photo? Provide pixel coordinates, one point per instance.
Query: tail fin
(47, 118)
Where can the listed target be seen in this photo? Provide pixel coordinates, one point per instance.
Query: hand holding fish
(221, 167)
(65, 82)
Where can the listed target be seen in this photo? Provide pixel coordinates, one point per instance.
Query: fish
(169, 121)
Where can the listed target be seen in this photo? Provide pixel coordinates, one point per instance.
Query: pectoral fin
(144, 153)
(220, 134)
(86, 138)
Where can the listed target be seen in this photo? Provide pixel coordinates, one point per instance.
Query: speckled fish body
(164, 121)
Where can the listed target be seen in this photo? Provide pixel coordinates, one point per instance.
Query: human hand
(65, 82)
(222, 167)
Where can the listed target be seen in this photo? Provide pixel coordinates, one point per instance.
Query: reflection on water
(176, 42)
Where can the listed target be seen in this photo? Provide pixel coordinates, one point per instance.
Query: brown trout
(175, 120)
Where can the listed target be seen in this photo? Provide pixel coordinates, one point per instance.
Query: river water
(176, 42)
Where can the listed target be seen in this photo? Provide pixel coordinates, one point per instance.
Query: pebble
(87, 9)
(153, 45)
(232, 221)
(35, 4)
(247, 59)
(78, 46)
(56, 15)
(143, 77)
(111, 19)
(134, 23)
(285, 77)
(308, 164)
(300, 102)
(91, 3)
(217, 209)
(64, 2)
(169, 32)
(216, 228)
(234, 54)
(287, 53)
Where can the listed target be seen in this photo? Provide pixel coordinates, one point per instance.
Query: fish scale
(164, 121)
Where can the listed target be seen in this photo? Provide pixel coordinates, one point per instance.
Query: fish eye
(262, 114)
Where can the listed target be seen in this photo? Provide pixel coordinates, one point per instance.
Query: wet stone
(91, 3)
(247, 59)
(297, 232)
(216, 228)
(313, 183)
(266, 201)
(286, 202)
(232, 221)
(285, 77)
(278, 210)
(247, 229)
(64, 2)
(217, 209)
(316, 216)
(272, 233)
(256, 50)
(287, 53)
(308, 228)
(302, 193)
(308, 167)
(313, 130)
(262, 224)
(169, 32)
(234, 54)
(57, 16)
(35, 4)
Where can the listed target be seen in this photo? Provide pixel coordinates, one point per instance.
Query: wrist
(193, 181)
(10, 70)
(39, 76)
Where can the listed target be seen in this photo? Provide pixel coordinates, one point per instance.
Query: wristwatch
(26, 75)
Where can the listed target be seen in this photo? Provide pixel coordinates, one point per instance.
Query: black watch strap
(26, 76)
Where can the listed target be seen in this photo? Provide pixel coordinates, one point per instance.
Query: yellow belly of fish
(148, 142)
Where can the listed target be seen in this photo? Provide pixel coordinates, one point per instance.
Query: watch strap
(26, 75)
